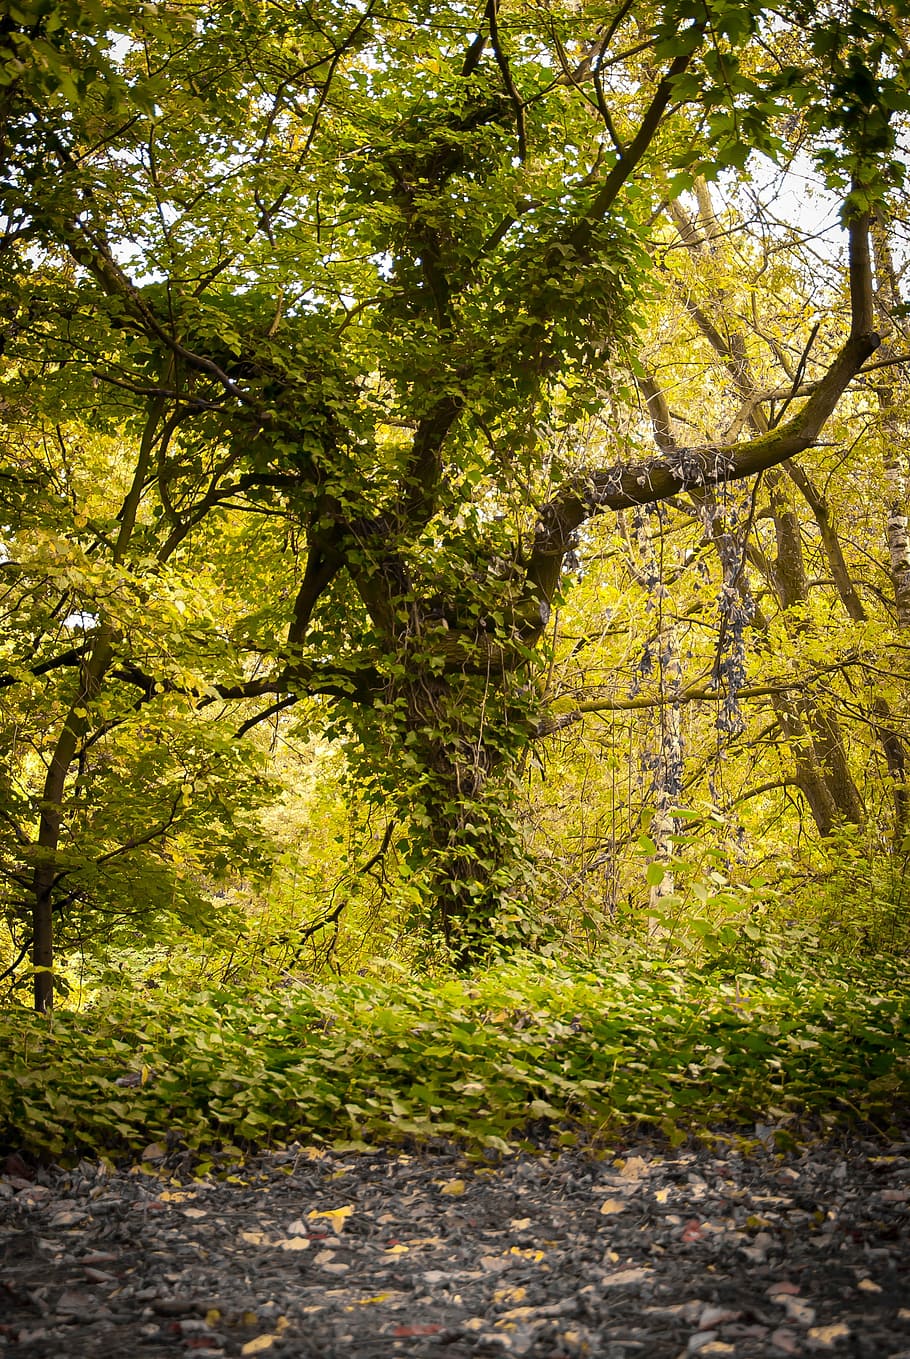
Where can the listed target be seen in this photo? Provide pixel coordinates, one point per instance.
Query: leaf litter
(708, 1249)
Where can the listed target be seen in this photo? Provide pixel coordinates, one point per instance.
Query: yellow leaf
(613, 1206)
(526, 1253)
(826, 1335)
(510, 1294)
(397, 1250)
(335, 1215)
(453, 1188)
(212, 1316)
(368, 1302)
(262, 1342)
(254, 1238)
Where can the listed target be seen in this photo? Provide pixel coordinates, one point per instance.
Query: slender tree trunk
(822, 768)
(75, 727)
(893, 390)
(51, 817)
(667, 761)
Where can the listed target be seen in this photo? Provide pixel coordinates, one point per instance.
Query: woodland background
(453, 496)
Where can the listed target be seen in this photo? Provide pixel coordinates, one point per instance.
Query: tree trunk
(74, 729)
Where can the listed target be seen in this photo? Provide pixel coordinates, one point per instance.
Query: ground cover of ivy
(524, 1050)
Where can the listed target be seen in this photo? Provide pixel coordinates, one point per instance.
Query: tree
(366, 272)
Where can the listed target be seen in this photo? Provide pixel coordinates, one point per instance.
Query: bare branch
(686, 469)
(555, 722)
(502, 61)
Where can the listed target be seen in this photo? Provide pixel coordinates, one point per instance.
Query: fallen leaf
(427, 1328)
(68, 1218)
(154, 1152)
(624, 1277)
(297, 1228)
(177, 1195)
(829, 1335)
(510, 1294)
(452, 1188)
(686, 1311)
(520, 1224)
(98, 1275)
(527, 1253)
(71, 1302)
(15, 1165)
(336, 1216)
(262, 1342)
(633, 1168)
(783, 1286)
(516, 1314)
(493, 1264)
(254, 1238)
(785, 1340)
(799, 1311)
(397, 1249)
(294, 1243)
(869, 1286)
(195, 1212)
(610, 1206)
(716, 1316)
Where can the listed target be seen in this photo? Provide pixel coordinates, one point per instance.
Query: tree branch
(555, 722)
(502, 61)
(685, 469)
(626, 163)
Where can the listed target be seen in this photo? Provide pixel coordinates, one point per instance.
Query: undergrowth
(514, 1052)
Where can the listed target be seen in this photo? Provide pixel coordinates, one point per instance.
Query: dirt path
(645, 1253)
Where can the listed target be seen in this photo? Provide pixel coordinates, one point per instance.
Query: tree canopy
(332, 345)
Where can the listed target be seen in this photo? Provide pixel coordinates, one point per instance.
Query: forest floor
(644, 1251)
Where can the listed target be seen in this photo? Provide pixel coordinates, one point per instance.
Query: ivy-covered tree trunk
(469, 852)
(439, 757)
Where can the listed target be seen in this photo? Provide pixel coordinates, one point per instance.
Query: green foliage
(319, 359)
(483, 1060)
(852, 895)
